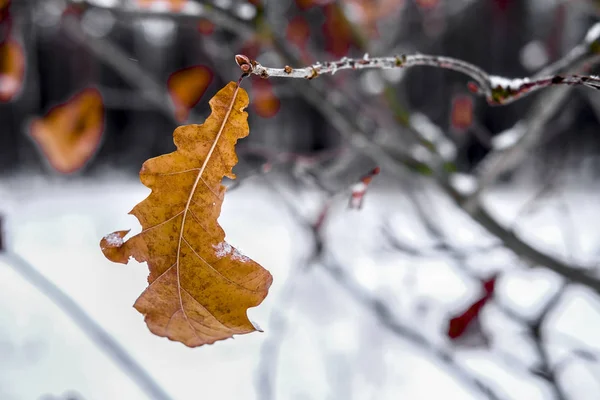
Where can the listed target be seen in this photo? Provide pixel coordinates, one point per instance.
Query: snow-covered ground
(319, 342)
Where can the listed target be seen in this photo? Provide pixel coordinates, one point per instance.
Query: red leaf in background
(186, 88)
(428, 4)
(205, 26)
(338, 35)
(250, 48)
(502, 4)
(461, 116)
(12, 69)
(69, 133)
(298, 32)
(264, 101)
(368, 13)
(460, 324)
(359, 189)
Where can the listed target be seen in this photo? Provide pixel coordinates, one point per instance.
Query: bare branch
(497, 90)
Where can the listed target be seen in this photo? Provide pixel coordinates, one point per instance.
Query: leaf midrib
(191, 195)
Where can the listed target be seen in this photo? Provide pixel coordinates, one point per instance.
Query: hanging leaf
(200, 287)
(69, 134)
(12, 69)
(186, 87)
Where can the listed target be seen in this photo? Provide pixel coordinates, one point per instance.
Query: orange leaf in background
(264, 101)
(186, 88)
(200, 287)
(12, 69)
(172, 5)
(69, 133)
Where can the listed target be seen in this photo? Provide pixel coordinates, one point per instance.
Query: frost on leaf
(200, 287)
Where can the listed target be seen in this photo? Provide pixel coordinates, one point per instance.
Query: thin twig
(101, 338)
(497, 90)
(546, 370)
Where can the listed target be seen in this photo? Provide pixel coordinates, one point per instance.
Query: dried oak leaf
(200, 287)
(70, 133)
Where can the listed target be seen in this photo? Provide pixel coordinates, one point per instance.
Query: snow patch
(465, 184)
(224, 248)
(238, 256)
(509, 137)
(505, 83)
(593, 34)
(114, 239)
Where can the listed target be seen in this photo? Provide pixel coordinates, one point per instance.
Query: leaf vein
(213, 268)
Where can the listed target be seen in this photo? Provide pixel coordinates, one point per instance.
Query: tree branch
(497, 90)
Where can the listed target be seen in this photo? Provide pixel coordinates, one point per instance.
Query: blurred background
(423, 244)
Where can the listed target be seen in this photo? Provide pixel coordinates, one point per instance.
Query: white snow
(509, 137)
(318, 341)
(507, 83)
(593, 34)
(222, 249)
(465, 184)
(237, 255)
(113, 239)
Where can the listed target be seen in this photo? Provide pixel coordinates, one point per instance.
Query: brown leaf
(200, 287)
(69, 133)
(12, 69)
